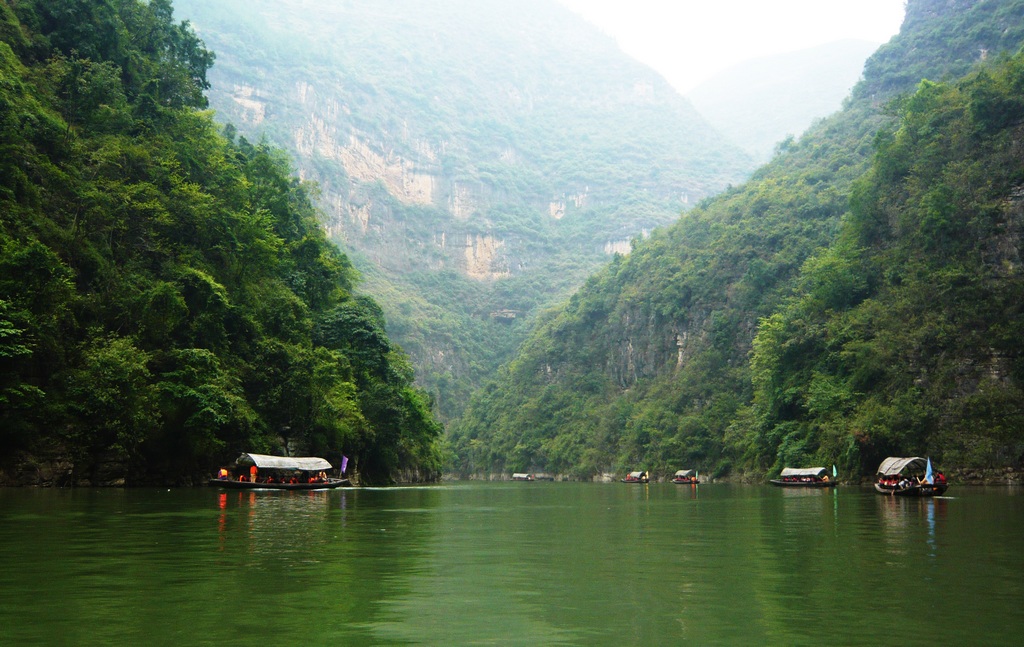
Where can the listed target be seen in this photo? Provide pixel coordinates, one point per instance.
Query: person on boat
(252, 473)
(222, 474)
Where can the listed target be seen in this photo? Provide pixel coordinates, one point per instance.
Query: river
(516, 563)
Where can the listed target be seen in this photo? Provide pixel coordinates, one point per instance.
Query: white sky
(689, 41)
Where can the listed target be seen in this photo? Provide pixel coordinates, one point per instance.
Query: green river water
(511, 564)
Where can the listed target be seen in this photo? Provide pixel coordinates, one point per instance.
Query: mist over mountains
(761, 102)
(477, 159)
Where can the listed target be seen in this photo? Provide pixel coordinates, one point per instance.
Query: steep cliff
(473, 156)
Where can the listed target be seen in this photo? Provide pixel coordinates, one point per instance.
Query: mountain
(761, 102)
(476, 158)
(168, 297)
(858, 297)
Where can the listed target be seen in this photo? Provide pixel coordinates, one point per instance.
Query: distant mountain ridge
(476, 158)
(758, 103)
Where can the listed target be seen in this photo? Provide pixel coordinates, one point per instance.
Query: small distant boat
(266, 472)
(637, 477)
(804, 477)
(544, 477)
(685, 477)
(519, 476)
(911, 476)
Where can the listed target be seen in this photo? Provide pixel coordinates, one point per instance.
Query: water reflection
(553, 563)
(930, 512)
(273, 523)
(909, 521)
(687, 491)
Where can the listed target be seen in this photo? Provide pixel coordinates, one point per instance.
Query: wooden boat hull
(635, 480)
(808, 484)
(246, 485)
(685, 481)
(914, 490)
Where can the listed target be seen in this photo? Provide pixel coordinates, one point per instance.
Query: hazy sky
(689, 41)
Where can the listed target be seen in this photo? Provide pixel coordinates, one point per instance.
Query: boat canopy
(893, 465)
(304, 463)
(521, 475)
(684, 473)
(637, 475)
(816, 472)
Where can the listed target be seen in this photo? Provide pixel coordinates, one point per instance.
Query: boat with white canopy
(266, 472)
(637, 477)
(909, 476)
(804, 477)
(686, 477)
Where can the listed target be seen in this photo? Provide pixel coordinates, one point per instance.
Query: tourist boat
(636, 477)
(279, 473)
(519, 476)
(544, 477)
(804, 477)
(909, 477)
(685, 477)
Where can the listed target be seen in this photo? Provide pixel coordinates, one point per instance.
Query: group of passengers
(270, 479)
(903, 482)
(254, 477)
(805, 479)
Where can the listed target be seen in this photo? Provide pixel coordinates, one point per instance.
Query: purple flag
(344, 463)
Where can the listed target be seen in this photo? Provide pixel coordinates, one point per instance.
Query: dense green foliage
(168, 297)
(905, 335)
(858, 297)
(505, 108)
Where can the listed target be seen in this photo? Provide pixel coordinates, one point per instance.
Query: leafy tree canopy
(164, 287)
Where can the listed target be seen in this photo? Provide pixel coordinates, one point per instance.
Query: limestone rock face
(472, 156)
(251, 109)
(483, 259)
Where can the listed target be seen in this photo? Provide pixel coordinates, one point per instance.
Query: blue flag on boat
(928, 472)
(344, 463)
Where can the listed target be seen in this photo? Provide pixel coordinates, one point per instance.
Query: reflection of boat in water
(685, 477)
(282, 473)
(808, 477)
(637, 477)
(911, 476)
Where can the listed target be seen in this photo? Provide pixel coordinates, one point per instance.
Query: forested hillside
(168, 297)
(478, 158)
(859, 297)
